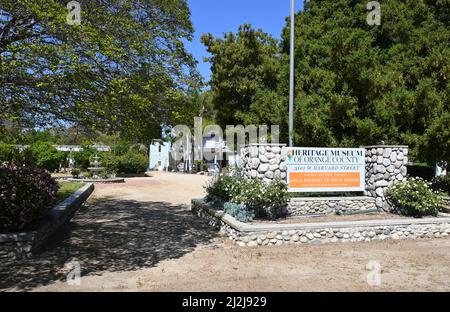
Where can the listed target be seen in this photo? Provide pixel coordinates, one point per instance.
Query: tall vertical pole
(291, 92)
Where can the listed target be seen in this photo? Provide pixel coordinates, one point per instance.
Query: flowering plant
(415, 197)
(27, 193)
(266, 200)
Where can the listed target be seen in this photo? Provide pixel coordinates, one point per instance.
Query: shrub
(75, 172)
(46, 156)
(83, 158)
(133, 162)
(239, 211)
(26, 195)
(265, 200)
(111, 163)
(275, 200)
(415, 197)
(220, 188)
(7, 152)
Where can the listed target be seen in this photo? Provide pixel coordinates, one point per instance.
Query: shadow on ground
(108, 236)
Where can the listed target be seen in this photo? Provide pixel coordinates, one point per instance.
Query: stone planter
(23, 245)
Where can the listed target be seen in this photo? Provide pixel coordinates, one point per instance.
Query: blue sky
(219, 16)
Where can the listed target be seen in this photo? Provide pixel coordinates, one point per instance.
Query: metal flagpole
(291, 92)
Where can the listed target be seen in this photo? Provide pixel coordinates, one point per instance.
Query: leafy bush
(265, 200)
(111, 163)
(83, 158)
(46, 155)
(239, 211)
(220, 188)
(275, 200)
(75, 173)
(26, 194)
(7, 152)
(133, 162)
(415, 197)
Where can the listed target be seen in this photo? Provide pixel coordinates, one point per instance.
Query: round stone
(263, 158)
(270, 155)
(253, 151)
(380, 192)
(393, 156)
(276, 150)
(263, 168)
(273, 167)
(387, 152)
(255, 163)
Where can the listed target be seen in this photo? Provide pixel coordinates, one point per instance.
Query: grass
(66, 189)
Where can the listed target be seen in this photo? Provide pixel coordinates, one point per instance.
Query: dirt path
(141, 236)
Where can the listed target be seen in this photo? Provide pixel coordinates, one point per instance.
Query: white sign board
(311, 169)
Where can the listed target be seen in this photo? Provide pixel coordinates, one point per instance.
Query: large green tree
(245, 72)
(358, 84)
(119, 70)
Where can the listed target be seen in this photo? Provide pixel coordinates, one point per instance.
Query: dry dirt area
(141, 236)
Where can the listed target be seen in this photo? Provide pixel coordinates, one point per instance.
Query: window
(159, 148)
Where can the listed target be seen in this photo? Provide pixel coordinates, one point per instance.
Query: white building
(159, 155)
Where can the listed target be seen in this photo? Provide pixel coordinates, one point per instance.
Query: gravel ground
(141, 236)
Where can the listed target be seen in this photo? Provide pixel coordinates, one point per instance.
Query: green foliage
(415, 198)
(133, 162)
(27, 193)
(355, 84)
(75, 172)
(47, 156)
(265, 200)
(7, 152)
(220, 188)
(358, 84)
(245, 77)
(84, 157)
(120, 70)
(239, 211)
(111, 163)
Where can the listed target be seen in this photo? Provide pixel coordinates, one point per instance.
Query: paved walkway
(141, 236)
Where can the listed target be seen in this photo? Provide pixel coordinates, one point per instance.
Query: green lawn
(66, 189)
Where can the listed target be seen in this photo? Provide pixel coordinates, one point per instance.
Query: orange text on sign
(324, 179)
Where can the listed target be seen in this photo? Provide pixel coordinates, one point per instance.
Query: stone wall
(322, 233)
(264, 161)
(385, 166)
(329, 205)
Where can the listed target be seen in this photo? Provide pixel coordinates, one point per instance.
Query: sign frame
(322, 169)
